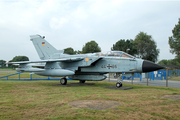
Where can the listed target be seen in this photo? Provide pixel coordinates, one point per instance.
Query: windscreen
(115, 54)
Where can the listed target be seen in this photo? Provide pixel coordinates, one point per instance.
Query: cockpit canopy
(115, 54)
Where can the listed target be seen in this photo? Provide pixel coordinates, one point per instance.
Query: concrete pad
(121, 88)
(95, 104)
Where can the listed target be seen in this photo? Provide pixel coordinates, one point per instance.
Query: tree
(146, 47)
(78, 52)
(125, 45)
(18, 58)
(2, 63)
(69, 51)
(174, 41)
(91, 47)
(169, 62)
(163, 62)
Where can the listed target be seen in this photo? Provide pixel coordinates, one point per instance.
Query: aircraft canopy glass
(115, 54)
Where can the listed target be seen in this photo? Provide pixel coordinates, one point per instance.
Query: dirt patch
(94, 104)
(173, 97)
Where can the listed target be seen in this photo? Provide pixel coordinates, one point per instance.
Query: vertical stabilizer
(43, 48)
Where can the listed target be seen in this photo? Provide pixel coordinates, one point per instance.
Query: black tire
(118, 84)
(82, 81)
(63, 81)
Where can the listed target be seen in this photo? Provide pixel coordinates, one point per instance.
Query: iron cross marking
(109, 66)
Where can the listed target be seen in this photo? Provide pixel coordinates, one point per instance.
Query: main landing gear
(63, 81)
(82, 81)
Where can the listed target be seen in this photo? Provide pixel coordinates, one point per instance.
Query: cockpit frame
(114, 54)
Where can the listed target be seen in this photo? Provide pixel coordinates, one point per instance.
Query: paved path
(8, 71)
(151, 82)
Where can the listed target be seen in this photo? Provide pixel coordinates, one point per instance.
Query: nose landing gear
(118, 84)
(119, 79)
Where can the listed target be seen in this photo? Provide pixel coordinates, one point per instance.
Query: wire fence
(161, 76)
(155, 75)
(21, 76)
(164, 78)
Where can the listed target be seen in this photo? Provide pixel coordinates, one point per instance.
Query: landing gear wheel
(118, 84)
(63, 81)
(82, 81)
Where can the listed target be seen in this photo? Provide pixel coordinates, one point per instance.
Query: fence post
(166, 77)
(132, 78)
(147, 79)
(19, 76)
(31, 75)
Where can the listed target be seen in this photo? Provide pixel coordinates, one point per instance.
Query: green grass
(47, 100)
(7, 69)
(174, 78)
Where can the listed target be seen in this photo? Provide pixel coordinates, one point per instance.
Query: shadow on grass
(76, 84)
(100, 84)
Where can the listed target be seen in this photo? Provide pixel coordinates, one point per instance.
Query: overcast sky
(73, 23)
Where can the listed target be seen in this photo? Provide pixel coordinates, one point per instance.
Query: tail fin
(43, 48)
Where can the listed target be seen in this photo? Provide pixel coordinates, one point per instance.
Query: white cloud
(56, 23)
(73, 23)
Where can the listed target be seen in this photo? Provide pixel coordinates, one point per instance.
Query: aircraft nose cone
(148, 66)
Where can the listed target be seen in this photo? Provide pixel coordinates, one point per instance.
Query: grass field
(174, 78)
(49, 100)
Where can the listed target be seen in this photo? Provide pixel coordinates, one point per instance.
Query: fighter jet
(83, 67)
